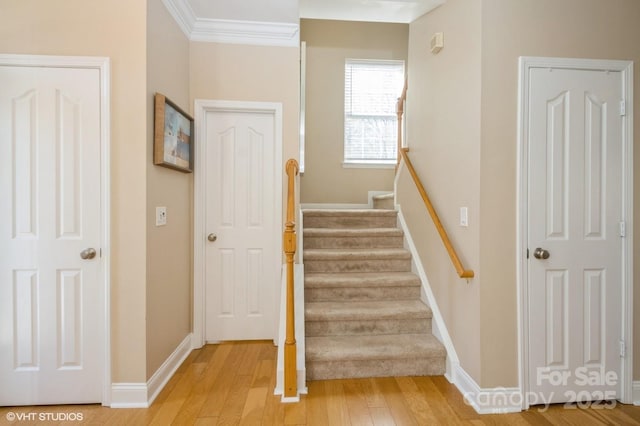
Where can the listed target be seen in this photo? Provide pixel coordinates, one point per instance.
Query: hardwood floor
(232, 384)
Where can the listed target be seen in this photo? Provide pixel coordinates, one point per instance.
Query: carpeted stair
(363, 313)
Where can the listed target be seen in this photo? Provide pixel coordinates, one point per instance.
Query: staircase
(363, 313)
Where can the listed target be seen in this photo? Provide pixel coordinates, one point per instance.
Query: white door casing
(238, 198)
(575, 198)
(54, 306)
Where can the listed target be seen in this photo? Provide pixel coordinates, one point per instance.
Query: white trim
(202, 107)
(439, 328)
(168, 368)
(129, 395)
(182, 13)
(102, 64)
(487, 401)
(246, 32)
(142, 395)
(230, 31)
(371, 165)
(626, 69)
(636, 393)
(303, 105)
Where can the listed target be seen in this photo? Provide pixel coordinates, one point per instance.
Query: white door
(51, 300)
(575, 246)
(242, 264)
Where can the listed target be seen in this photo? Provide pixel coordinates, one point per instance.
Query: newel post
(290, 351)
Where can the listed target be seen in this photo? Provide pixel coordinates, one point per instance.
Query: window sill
(371, 165)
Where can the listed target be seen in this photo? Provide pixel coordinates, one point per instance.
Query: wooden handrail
(290, 351)
(399, 113)
(403, 154)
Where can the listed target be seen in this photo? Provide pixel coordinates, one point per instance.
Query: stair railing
(403, 155)
(290, 351)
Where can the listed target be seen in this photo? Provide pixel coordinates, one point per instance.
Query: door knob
(88, 253)
(212, 237)
(540, 253)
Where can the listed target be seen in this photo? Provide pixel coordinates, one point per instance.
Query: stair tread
(352, 232)
(361, 279)
(348, 212)
(383, 196)
(366, 310)
(370, 347)
(356, 253)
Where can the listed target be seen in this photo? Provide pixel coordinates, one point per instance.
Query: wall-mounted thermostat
(437, 42)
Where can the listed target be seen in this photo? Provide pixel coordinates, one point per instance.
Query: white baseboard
(168, 368)
(636, 392)
(486, 401)
(129, 395)
(439, 329)
(142, 395)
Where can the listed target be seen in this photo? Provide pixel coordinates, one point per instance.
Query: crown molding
(233, 32)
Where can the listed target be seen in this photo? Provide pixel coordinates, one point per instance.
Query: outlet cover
(161, 216)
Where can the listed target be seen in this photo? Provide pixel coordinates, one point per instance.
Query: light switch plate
(464, 216)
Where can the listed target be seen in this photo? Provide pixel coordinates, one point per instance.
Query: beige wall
(169, 248)
(236, 72)
(443, 133)
(464, 112)
(329, 43)
(114, 29)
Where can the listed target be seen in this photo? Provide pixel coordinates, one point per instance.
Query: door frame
(202, 107)
(103, 65)
(626, 69)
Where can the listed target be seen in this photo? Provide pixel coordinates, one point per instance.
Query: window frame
(370, 162)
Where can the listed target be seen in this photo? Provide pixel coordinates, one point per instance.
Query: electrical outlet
(161, 216)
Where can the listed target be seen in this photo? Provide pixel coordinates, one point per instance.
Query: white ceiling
(289, 11)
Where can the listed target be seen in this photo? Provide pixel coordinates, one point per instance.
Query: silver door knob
(88, 253)
(540, 253)
(212, 237)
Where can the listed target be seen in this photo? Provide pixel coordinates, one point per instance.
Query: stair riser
(385, 203)
(363, 327)
(340, 369)
(350, 242)
(351, 222)
(373, 265)
(361, 294)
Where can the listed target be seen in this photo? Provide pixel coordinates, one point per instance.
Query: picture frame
(173, 136)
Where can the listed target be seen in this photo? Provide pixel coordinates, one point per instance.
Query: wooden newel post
(400, 113)
(290, 352)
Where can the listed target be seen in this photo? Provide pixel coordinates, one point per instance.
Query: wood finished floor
(232, 384)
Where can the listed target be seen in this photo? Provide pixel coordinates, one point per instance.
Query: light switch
(464, 216)
(161, 216)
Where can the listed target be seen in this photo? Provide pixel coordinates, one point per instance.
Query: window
(371, 90)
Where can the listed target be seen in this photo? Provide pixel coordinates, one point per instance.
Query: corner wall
(169, 247)
(443, 133)
(329, 43)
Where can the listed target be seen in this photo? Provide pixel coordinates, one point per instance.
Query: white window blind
(371, 90)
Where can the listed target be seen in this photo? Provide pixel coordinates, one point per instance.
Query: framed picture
(173, 136)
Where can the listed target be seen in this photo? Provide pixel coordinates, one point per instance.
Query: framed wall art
(173, 136)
